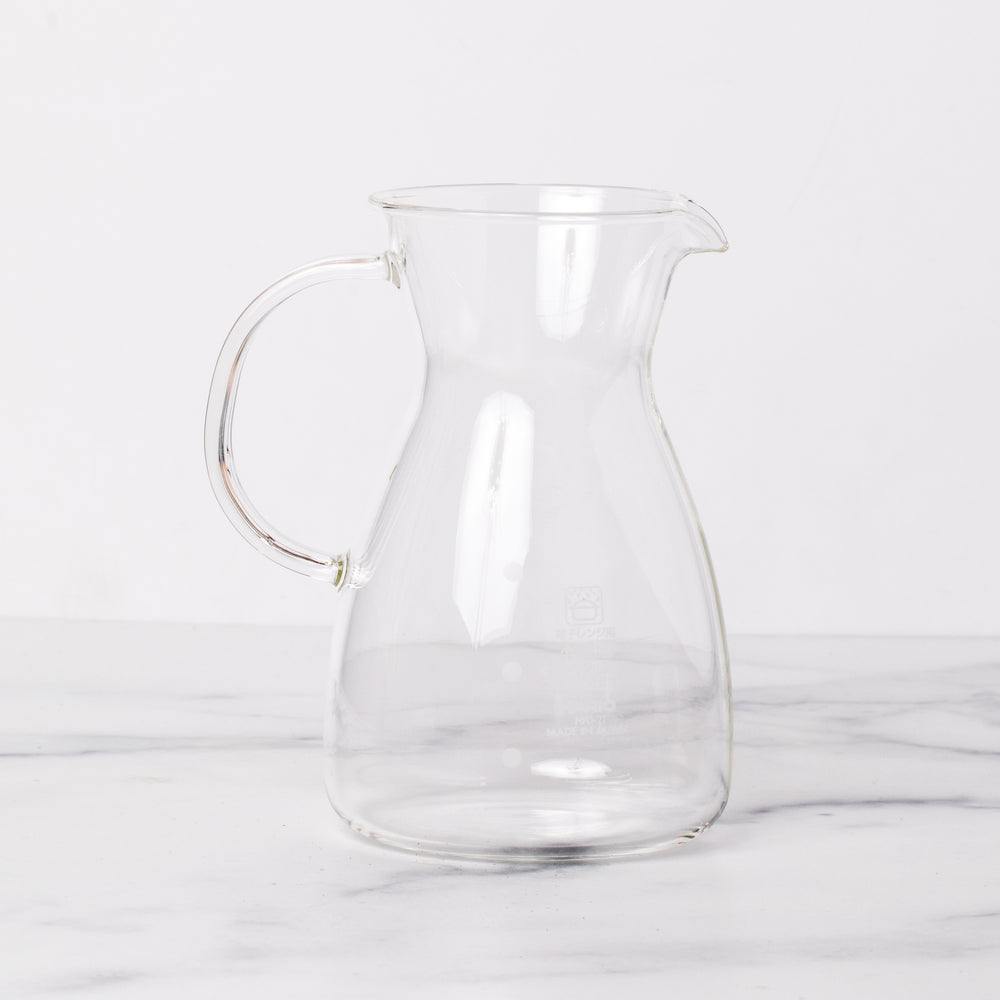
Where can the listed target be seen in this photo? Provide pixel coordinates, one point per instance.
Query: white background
(829, 384)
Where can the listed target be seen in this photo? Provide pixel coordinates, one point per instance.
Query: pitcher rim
(435, 198)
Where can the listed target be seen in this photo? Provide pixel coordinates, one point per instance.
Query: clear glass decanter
(534, 664)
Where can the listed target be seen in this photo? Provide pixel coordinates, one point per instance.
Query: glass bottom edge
(511, 845)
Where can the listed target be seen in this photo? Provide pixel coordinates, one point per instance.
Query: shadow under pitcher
(534, 665)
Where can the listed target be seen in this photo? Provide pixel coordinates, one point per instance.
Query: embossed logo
(584, 609)
(584, 606)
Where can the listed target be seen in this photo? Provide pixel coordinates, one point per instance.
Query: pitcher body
(534, 665)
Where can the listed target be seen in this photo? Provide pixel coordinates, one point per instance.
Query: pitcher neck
(504, 292)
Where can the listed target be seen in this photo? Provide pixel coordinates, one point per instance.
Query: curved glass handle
(222, 399)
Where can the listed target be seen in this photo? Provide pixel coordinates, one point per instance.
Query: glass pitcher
(534, 665)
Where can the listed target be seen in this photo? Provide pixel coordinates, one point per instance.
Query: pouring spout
(697, 231)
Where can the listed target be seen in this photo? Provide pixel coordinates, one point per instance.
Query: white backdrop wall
(829, 384)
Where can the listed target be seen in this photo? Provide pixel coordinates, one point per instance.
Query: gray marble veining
(164, 833)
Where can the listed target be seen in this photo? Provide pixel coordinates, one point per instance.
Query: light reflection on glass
(494, 520)
(566, 261)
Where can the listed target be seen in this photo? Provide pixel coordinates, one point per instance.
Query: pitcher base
(519, 825)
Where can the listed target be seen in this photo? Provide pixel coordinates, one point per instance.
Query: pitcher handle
(222, 399)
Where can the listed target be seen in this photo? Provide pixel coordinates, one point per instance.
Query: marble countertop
(165, 834)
